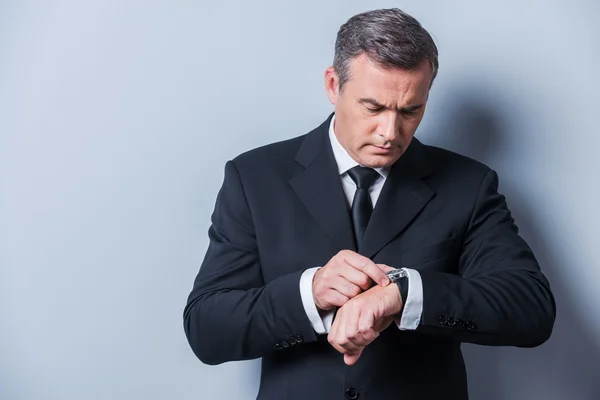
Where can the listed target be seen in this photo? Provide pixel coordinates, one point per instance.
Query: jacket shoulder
(444, 159)
(282, 150)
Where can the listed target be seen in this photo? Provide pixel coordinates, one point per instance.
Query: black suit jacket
(281, 210)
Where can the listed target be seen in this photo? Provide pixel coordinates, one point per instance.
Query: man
(355, 260)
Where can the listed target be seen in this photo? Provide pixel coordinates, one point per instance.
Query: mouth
(383, 149)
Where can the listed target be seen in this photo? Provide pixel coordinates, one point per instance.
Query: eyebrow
(376, 104)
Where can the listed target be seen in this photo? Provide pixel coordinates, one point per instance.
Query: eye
(410, 113)
(373, 110)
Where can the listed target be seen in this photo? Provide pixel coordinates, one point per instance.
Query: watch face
(396, 274)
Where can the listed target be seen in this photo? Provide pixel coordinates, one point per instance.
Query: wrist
(322, 307)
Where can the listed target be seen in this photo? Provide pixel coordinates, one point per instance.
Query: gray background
(116, 119)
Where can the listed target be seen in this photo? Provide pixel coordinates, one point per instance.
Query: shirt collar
(342, 158)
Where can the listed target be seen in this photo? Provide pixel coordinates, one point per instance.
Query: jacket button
(352, 393)
(451, 321)
(277, 346)
(460, 323)
(298, 338)
(292, 341)
(443, 319)
(470, 325)
(285, 344)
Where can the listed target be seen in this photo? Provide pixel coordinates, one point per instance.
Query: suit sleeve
(500, 296)
(231, 313)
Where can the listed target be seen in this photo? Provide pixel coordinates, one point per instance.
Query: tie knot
(363, 177)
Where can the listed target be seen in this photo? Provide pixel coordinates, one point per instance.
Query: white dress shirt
(322, 320)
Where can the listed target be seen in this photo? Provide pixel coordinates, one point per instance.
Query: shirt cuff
(321, 321)
(411, 313)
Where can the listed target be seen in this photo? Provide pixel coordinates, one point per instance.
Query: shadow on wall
(568, 365)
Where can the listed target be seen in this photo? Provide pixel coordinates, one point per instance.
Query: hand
(346, 275)
(360, 321)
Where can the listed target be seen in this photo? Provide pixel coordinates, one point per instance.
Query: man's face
(379, 110)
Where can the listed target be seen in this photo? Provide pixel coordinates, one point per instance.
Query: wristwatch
(400, 277)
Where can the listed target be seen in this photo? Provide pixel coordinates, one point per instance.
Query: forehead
(389, 85)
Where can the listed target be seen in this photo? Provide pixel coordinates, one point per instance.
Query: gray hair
(390, 38)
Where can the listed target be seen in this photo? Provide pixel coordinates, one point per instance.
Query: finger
(369, 336)
(337, 336)
(345, 286)
(361, 331)
(371, 327)
(334, 333)
(334, 298)
(356, 277)
(368, 267)
(354, 341)
(385, 268)
(351, 325)
(337, 346)
(356, 344)
(366, 321)
(350, 347)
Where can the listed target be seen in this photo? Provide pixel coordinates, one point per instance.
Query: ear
(332, 85)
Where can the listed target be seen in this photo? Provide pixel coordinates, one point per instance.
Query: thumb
(351, 359)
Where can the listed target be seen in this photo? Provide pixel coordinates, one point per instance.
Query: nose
(389, 128)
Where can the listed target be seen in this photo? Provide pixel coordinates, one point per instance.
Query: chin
(375, 160)
(380, 161)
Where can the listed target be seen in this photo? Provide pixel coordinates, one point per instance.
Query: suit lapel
(402, 197)
(320, 189)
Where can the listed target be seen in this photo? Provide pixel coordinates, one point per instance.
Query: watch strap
(400, 277)
(402, 283)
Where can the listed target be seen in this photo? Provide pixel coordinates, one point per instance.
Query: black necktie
(361, 205)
